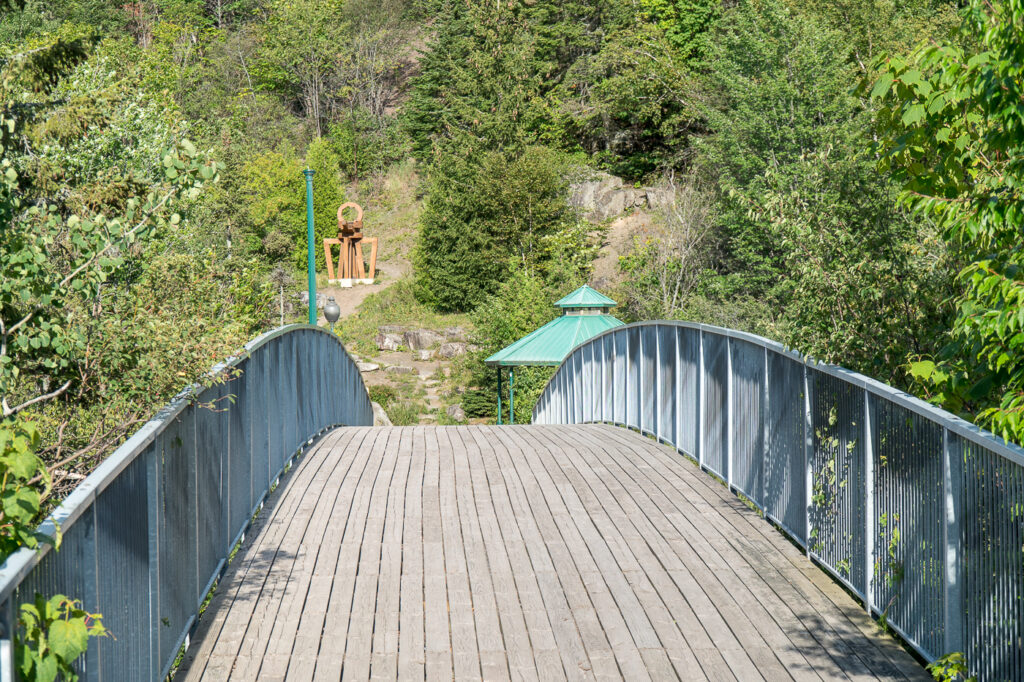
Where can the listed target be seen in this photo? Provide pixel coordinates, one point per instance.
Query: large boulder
(452, 349)
(424, 355)
(399, 369)
(367, 366)
(380, 416)
(602, 196)
(321, 300)
(388, 341)
(418, 339)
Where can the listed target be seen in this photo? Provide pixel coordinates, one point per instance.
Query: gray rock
(391, 329)
(380, 416)
(603, 196)
(456, 412)
(424, 355)
(398, 369)
(367, 366)
(452, 349)
(388, 341)
(456, 334)
(418, 339)
(321, 300)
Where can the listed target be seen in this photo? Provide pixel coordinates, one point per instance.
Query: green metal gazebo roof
(585, 297)
(551, 343)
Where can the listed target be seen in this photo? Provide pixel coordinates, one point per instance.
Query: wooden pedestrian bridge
(689, 503)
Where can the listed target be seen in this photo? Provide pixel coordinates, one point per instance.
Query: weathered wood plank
(533, 553)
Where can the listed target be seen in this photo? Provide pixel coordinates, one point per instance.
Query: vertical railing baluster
(808, 458)
(91, 598)
(869, 502)
(656, 361)
(679, 389)
(952, 597)
(702, 390)
(766, 417)
(729, 438)
(154, 499)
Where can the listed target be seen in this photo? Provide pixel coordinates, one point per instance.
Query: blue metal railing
(147, 534)
(918, 512)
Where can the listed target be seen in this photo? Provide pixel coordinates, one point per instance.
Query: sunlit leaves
(953, 124)
(52, 634)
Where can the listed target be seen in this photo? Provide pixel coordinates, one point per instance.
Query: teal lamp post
(311, 254)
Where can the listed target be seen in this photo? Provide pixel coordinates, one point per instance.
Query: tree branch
(11, 411)
(92, 259)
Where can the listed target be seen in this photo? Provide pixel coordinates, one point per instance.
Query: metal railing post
(656, 360)
(808, 459)
(952, 597)
(729, 438)
(679, 393)
(154, 501)
(869, 502)
(766, 417)
(702, 389)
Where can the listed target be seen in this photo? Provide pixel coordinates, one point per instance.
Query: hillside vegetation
(840, 176)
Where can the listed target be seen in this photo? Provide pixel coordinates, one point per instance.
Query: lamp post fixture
(332, 311)
(310, 254)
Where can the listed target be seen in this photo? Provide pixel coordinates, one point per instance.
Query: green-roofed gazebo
(584, 315)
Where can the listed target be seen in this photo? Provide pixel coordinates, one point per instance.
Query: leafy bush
(404, 413)
(484, 216)
(383, 395)
(52, 634)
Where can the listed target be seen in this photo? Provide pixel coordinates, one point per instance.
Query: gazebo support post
(499, 394)
(511, 396)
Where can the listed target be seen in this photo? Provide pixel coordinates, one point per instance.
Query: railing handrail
(189, 475)
(914, 509)
(958, 425)
(18, 565)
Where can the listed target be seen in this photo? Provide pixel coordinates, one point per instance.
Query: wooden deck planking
(523, 553)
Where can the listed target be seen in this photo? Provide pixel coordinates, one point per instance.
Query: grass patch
(395, 305)
(383, 395)
(404, 414)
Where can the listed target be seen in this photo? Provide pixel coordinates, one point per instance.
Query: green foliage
(687, 23)
(383, 395)
(274, 192)
(20, 497)
(951, 668)
(805, 218)
(520, 305)
(952, 132)
(52, 634)
(482, 217)
(404, 413)
(297, 55)
(630, 105)
(48, 249)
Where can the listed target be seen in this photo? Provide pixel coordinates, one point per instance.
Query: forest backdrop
(842, 176)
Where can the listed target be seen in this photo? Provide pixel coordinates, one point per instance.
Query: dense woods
(820, 190)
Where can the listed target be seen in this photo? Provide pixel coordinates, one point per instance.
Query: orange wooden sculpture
(351, 269)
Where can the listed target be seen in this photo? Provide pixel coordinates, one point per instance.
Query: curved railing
(918, 512)
(146, 535)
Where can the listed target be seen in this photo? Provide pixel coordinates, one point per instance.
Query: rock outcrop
(456, 412)
(419, 339)
(604, 196)
(452, 349)
(387, 341)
